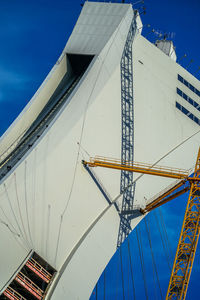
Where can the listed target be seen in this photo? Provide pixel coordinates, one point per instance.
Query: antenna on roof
(152, 31)
(146, 25)
(142, 12)
(141, 1)
(165, 36)
(190, 62)
(198, 69)
(182, 58)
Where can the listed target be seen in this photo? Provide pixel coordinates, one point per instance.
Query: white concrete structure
(48, 202)
(167, 47)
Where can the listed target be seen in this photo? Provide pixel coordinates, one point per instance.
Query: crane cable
(14, 215)
(152, 254)
(139, 241)
(104, 284)
(166, 235)
(127, 280)
(26, 202)
(165, 247)
(20, 212)
(154, 280)
(131, 268)
(120, 252)
(164, 243)
(117, 273)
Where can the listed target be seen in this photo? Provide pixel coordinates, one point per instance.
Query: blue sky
(32, 36)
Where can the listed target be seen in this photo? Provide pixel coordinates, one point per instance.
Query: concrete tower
(111, 93)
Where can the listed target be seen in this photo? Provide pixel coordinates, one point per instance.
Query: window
(188, 99)
(180, 78)
(190, 86)
(179, 92)
(187, 113)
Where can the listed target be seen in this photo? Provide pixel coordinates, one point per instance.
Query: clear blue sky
(32, 36)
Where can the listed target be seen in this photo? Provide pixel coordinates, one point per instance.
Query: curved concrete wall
(49, 200)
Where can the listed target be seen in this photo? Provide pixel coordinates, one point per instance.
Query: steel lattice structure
(127, 147)
(187, 242)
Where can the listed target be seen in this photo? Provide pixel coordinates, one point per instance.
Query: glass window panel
(190, 86)
(180, 78)
(185, 96)
(179, 91)
(187, 113)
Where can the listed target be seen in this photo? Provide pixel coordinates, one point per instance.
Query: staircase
(32, 281)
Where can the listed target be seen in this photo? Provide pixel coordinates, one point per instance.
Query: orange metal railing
(10, 293)
(138, 167)
(29, 285)
(38, 270)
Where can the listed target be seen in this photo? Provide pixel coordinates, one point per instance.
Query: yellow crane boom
(187, 244)
(188, 240)
(137, 167)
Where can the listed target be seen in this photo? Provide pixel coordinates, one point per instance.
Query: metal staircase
(31, 282)
(127, 148)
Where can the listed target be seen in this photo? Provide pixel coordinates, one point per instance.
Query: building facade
(111, 93)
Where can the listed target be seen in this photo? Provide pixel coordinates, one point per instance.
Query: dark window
(180, 78)
(196, 120)
(191, 116)
(193, 102)
(188, 99)
(179, 92)
(190, 86)
(185, 96)
(187, 113)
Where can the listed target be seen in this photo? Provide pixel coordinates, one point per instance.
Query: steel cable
(14, 233)
(163, 242)
(120, 252)
(131, 268)
(18, 204)
(139, 241)
(152, 254)
(58, 239)
(15, 218)
(117, 277)
(166, 235)
(26, 203)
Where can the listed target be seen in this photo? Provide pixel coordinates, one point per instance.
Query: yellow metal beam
(167, 196)
(138, 167)
(188, 240)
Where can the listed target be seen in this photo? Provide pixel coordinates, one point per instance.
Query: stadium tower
(111, 93)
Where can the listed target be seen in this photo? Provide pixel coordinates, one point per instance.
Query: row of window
(188, 99)
(187, 113)
(190, 86)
